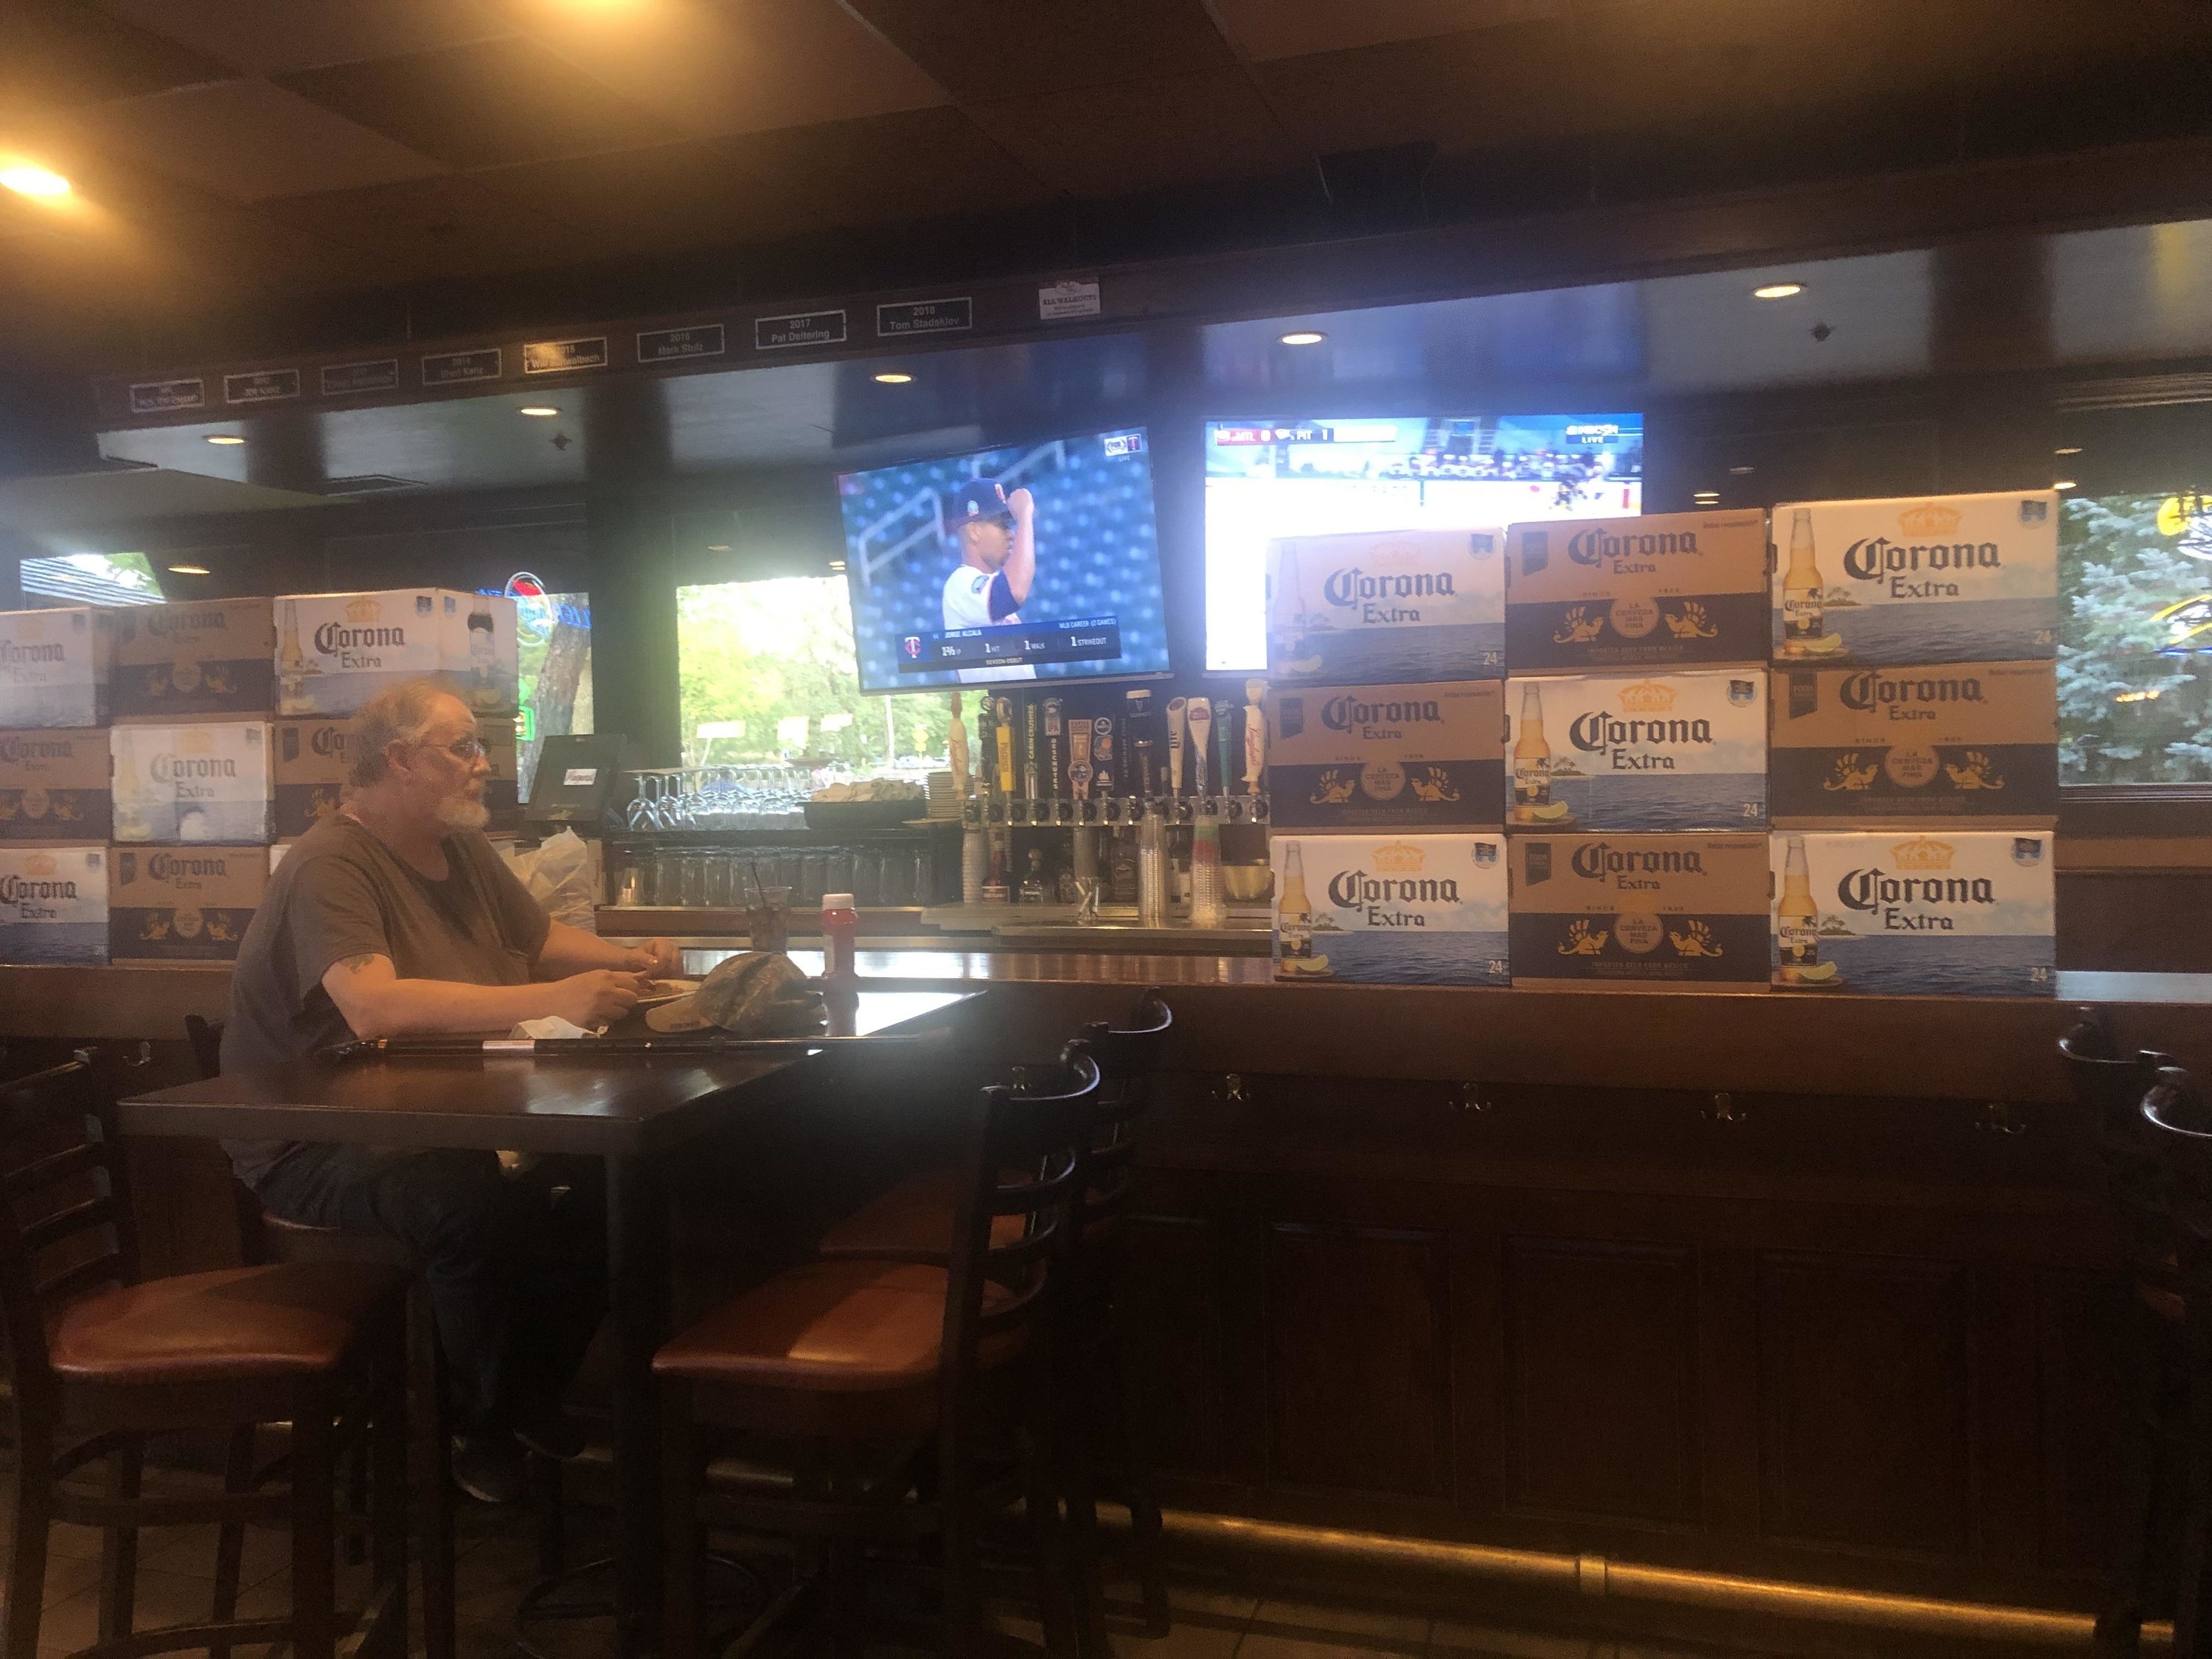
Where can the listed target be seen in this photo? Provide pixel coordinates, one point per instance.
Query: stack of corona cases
(1386, 758)
(1915, 771)
(190, 778)
(54, 801)
(1636, 795)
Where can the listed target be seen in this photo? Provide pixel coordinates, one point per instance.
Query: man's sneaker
(489, 1468)
(548, 1429)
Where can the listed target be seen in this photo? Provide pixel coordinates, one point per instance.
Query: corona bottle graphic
(1803, 618)
(1294, 911)
(291, 665)
(1532, 759)
(130, 824)
(1797, 919)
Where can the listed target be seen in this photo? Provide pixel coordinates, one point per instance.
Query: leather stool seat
(236, 1324)
(912, 1221)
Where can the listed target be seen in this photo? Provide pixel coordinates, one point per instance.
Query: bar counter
(1801, 1287)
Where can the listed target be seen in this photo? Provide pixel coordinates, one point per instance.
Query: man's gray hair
(403, 714)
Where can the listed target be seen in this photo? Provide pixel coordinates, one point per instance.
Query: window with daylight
(2134, 659)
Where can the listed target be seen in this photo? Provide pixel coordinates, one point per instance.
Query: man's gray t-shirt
(341, 892)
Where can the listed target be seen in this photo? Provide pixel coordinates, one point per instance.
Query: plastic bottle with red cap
(841, 922)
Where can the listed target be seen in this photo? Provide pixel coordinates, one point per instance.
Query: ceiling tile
(245, 140)
(724, 66)
(1290, 29)
(906, 166)
(269, 37)
(1459, 92)
(438, 227)
(688, 195)
(57, 52)
(1139, 135)
(984, 49)
(485, 104)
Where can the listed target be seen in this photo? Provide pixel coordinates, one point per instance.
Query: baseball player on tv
(996, 534)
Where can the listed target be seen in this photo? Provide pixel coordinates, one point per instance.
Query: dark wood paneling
(1864, 1383)
(2088, 1332)
(1171, 1318)
(2152, 921)
(1376, 1423)
(1600, 1410)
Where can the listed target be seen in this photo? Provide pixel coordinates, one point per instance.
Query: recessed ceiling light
(1777, 290)
(1707, 495)
(225, 438)
(836, 564)
(2063, 483)
(188, 570)
(544, 411)
(1304, 337)
(718, 547)
(1738, 471)
(27, 181)
(893, 378)
(2070, 449)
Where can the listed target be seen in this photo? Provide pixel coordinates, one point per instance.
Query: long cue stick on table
(689, 1047)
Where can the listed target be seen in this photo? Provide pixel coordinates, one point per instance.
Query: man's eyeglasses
(464, 748)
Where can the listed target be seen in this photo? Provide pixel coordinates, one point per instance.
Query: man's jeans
(517, 1267)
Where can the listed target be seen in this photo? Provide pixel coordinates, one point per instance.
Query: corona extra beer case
(1917, 579)
(54, 904)
(182, 903)
(205, 784)
(1956, 740)
(1659, 752)
(1386, 756)
(1666, 910)
(212, 658)
(1396, 910)
(1384, 607)
(53, 786)
(54, 666)
(1957, 913)
(336, 651)
(312, 758)
(1649, 593)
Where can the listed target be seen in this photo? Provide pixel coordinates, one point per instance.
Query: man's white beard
(463, 812)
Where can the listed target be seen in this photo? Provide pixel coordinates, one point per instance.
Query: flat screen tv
(1040, 560)
(1266, 478)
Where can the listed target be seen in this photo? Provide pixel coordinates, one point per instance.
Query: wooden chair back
(2110, 1087)
(1127, 1055)
(65, 1220)
(2178, 1122)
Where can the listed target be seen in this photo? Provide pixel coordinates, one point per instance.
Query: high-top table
(625, 1111)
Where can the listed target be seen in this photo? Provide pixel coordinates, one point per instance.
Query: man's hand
(656, 959)
(1021, 505)
(596, 999)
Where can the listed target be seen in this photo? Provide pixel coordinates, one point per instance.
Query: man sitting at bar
(395, 916)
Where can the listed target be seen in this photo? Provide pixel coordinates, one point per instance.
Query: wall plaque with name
(809, 328)
(676, 345)
(560, 357)
(909, 317)
(261, 385)
(160, 397)
(459, 367)
(349, 379)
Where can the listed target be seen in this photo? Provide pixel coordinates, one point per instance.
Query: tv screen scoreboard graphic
(1083, 639)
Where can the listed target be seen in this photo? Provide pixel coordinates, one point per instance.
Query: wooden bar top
(1232, 1018)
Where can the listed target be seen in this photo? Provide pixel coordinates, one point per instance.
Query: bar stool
(2110, 1087)
(2179, 1124)
(267, 1240)
(101, 1360)
(915, 1221)
(913, 1399)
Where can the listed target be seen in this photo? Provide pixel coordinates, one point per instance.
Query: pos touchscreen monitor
(1034, 562)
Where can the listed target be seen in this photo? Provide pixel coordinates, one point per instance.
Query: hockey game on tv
(1314, 477)
(1036, 562)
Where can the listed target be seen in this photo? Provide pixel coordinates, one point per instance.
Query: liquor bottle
(1006, 747)
(1802, 617)
(1033, 884)
(481, 653)
(1121, 865)
(1055, 748)
(291, 665)
(956, 747)
(1293, 909)
(1797, 918)
(1532, 759)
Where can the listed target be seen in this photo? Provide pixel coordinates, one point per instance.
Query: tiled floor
(497, 1563)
